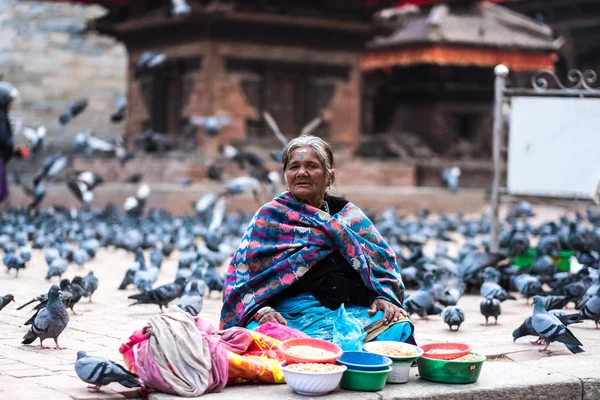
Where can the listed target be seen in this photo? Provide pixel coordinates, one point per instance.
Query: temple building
(296, 59)
(434, 76)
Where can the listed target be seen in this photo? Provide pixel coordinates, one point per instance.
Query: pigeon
(550, 329)
(450, 177)
(526, 329)
(98, 371)
(490, 307)
(180, 7)
(120, 108)
(555, 302)
(160, 296)
(212, 124)
(453, 316)
(123, 155)
(73, 110)
(193, 297)
(128, 278)
(57, 268)
(451, 295)
(591, 309)
(149, 60)
(518, 244)
(528, 285)
(13, 261)
(76, 287)
(591, 292)
(576, 290)
(35, 137)
(491, 289)
(4, 300)
(421, 300)
(90, 284)
(50, 322)
(522, 209)
(51, 167)
(135, 178)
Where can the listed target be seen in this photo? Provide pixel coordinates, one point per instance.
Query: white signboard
(554, 147)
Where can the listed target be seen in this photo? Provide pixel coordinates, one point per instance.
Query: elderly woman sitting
(306, 253)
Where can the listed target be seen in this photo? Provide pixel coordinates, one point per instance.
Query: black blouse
(332, 280)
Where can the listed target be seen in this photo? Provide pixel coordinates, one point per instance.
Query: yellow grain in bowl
(391, 350)
(309, 352)
(314, 367)
(443, 351)
(470, 357)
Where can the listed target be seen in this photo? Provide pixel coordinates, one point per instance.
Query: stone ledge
(582, 366)
(498, 381)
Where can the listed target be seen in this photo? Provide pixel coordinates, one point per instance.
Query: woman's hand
(269, 315)
(272, 316)
(391, 312)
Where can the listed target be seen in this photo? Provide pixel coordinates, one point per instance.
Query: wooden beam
(320, 23)
(212, 15)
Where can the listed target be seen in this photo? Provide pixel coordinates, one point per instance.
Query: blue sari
(305, 313)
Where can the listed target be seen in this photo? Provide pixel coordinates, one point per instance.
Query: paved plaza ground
(514, 370)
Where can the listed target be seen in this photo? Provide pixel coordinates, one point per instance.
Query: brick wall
(51, 64)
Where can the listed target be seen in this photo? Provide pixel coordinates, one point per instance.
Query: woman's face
(305, 176)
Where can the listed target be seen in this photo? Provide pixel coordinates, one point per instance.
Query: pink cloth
(236, 340)
(148, 370)
(280, 332)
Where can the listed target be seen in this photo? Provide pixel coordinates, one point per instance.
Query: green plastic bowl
(450, 371)
(563, 263)
(364, 381)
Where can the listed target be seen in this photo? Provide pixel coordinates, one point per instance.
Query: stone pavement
(514, 370)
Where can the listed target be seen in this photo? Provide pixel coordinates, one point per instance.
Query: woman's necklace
(326, 206)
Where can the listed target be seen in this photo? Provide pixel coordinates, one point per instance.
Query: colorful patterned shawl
(286, 238)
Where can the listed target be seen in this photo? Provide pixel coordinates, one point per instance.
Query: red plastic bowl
(317, 343)
(462, 349)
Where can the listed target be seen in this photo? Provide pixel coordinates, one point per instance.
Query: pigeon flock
(205, 240)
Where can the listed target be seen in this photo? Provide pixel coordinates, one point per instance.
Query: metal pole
(501, 72)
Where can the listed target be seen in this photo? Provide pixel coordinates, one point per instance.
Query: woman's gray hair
(321, 148)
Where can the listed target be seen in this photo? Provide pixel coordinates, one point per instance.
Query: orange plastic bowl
(316, 343)
(462, 349)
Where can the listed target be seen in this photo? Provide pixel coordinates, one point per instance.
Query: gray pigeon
(90, 284)
(555, 302)
(161, 296)
(4, 300)
(421, 301)
(526, 329)
(98, 371)
(453, 316)
(490, 288)
(50, 321)
(57, 268)
(550, 329)
(193, 297)
(591, 309)
(490, 307)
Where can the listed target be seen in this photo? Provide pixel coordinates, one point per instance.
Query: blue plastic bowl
(363, 361)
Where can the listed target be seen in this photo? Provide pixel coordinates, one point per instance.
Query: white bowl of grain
(401, 354)
(312, 379)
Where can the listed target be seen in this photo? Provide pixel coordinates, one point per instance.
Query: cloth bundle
(180, 354)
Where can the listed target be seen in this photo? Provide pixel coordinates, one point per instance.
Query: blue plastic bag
(348, 332)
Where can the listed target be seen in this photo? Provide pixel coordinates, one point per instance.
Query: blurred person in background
(8, 94)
